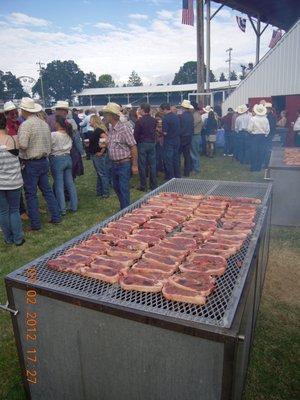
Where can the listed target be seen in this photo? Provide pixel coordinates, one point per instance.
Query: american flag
(241, 23)
(188, 12)
(276, 36)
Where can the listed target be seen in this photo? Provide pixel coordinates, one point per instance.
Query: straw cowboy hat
(242, 109)
(27, 104)
(260, 109)
(207, 109)
(62, 105)
(9, 106)
(112, 108)
(187, 104)
(268, 105)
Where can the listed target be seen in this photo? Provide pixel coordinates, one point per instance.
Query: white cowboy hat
(112, 108)
(268, 105)
(9, 106)
(61, 104)
(260, 109)
(187, 104)
(207, 109)
(242, 109)
(27, 104)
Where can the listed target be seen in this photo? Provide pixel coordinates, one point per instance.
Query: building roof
(153, 89)
(280, 13)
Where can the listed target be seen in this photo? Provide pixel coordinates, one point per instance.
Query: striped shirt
(120, 139)
(34, 138)
(10, 170)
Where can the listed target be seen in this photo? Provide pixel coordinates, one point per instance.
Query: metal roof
(280, 13)
(153, 89)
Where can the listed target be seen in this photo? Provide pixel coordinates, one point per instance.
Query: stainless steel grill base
(78, 314)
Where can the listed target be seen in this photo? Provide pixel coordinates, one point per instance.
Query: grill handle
(5, 307)
(267, 175)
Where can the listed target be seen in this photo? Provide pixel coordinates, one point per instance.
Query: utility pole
(200, 50)
(40, 64)
(229, 65)
(208, 45)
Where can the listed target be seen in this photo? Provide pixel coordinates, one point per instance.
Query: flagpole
(200, 49)
(207, 45)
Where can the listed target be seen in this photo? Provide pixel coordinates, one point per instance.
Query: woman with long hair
(210, 126)
(61, 164)
(99, 155)
(11, 183)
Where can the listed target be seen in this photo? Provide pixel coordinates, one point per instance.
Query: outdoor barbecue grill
(97, 341)
(286, 189)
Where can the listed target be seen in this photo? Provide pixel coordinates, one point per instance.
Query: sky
(116, 37)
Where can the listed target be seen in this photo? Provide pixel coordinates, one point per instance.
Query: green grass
(273, 372)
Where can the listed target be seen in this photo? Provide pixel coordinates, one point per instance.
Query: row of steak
(175, 244)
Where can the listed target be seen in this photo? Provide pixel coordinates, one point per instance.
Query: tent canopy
(280, 13)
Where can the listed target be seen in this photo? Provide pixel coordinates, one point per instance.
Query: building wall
(277, 74)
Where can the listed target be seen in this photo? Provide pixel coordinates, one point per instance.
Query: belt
(34, 159)
(59, 155)
(121, 161)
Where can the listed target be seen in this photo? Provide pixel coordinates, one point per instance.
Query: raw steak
(147, 264)
(140, 283)
(161, 259)
(103, 273)
(115, 232)
(131, 244)
(116, 251)
(174, 293)
(202, 286)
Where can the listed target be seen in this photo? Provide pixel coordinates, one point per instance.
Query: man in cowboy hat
(61, 108)
(11, 114)
(186, 132)
(122, 151)
(241, 128)
(35, 146)
(259, 129)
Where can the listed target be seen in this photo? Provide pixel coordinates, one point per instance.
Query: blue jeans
(159, 158)
(102, 170)
(10, 220)
(257, 151)
(196, 151)
(61, 169)
(228, 148)
(121, 174)
(172, 159)
(35, 174)
(147, 159)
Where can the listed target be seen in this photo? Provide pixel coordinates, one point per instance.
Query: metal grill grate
(221, 305)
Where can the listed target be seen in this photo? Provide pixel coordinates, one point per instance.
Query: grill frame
(108, 301)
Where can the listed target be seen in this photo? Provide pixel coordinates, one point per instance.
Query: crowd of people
(119, 142)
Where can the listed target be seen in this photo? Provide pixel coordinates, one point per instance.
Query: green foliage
(61, 79)
(90, 80)
(188, 74)
(10, 87)
(222, 77)
(134, 80)
(233, 76)
(105, 80)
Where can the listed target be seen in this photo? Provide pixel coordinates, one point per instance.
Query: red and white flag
(188, 12)
(276, 36)
(241, 23)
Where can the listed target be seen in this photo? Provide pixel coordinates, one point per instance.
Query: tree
(188, 74)
(233, 76)
(105, 81)
(10, 87)
(61, 79)
(134, 80)
(90, 80)
(222, 77)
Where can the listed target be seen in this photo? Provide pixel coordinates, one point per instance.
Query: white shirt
(85, 124)
(204, 116)
(242, 122)
(61, 143)
(259, 125)
(296, 126)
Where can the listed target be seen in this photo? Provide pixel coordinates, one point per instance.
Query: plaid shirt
(120, 139)
(34, 138)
